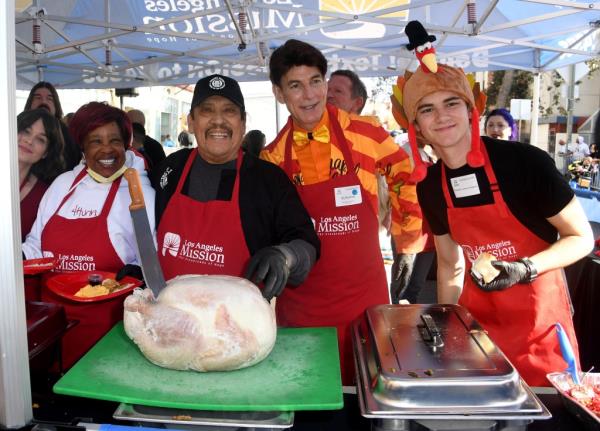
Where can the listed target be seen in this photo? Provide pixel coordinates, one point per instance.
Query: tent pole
(570, 103)
(533, 138)
(15, 389)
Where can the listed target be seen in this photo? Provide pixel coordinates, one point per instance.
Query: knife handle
(135, 189)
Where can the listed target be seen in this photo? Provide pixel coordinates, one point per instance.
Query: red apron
(349, 275)
(520, 319)
(83, 245)
(202, 237)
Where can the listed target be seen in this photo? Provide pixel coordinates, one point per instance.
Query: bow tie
(320, 135)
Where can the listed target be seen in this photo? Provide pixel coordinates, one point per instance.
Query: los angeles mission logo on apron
(341, 224)
(502, 250)
(72, 262)
(337, 225)
(193, 251)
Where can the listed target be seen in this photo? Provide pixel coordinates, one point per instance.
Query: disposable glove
(511, 273)
(130, 270)
(270, 267)
(401, 271)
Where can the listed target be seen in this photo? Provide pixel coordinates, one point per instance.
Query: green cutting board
(301, 373)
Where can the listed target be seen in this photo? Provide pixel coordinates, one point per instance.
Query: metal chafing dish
(435, 365)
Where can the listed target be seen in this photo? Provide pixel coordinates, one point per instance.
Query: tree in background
(506, 85)
(553, 87)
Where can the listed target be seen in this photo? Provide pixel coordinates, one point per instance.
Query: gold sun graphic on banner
(359, 29)
(357, 7)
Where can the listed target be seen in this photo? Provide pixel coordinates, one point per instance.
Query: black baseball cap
(218, 85)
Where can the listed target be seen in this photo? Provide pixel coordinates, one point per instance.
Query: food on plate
(587, 395)
(107, 286)
(202, 323)
(482, 267)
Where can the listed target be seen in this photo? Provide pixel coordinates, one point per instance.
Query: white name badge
(465, 186)
(347, 196)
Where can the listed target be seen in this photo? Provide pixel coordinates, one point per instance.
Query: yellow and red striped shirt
(373, 150)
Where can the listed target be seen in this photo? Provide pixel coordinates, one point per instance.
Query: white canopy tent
(103, 43)
(108, 44)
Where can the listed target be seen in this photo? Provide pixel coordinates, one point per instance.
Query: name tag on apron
(465, 186)
(350, 195)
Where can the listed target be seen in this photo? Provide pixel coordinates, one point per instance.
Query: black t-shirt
(154, 152)
(271, 211)
(530, 184)
(71, 152)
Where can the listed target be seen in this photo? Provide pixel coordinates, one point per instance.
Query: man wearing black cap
(222, 212)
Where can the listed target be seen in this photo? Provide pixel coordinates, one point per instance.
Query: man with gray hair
(346, 91)
(580, 149)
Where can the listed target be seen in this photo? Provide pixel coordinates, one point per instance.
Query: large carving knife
(153, 275)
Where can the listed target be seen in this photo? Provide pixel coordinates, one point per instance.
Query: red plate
(37, 266)
(67, 285)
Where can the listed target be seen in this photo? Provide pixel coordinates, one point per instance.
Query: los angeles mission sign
(277, 16)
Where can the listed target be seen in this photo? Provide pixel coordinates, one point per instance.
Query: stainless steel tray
(563, 382)
(180, 417)
(490, 386)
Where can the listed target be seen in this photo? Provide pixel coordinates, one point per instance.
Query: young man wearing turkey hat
(506, 199)
(220, 211)
(332, 157)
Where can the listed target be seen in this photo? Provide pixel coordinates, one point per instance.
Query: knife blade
(153, 275)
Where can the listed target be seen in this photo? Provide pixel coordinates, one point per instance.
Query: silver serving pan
(423, 360)
(204, 420)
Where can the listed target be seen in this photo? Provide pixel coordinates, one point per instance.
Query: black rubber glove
(269, 266)
(401, 272)
(130, 270)
(511, 273)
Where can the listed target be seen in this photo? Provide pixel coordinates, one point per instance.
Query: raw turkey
(202, 323)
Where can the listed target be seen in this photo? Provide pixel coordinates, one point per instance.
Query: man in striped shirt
(332, 158)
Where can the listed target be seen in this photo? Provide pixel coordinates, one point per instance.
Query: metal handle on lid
(431, 334)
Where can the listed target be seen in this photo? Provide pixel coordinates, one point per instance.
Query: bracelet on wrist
(532, 272)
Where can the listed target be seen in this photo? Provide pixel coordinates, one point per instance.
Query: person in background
(562, 147)
(407, 285)
(583, 168)
(67, 118)
(184, 139)
(333, 157)
(580, 149)
(40, 144)
(504, 198)
(499, 124)
(44, 95)
(153, 150)
(597, 134)
(594, 151)
(409, 270)
(138, 136)
(243, 208)
(254, 142)
(84, 221)
(168, 142)
(346, 91)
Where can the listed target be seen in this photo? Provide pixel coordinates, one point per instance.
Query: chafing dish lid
(432, 342)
